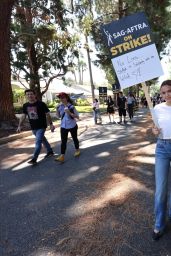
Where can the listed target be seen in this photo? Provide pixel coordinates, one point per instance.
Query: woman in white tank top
(162, 160)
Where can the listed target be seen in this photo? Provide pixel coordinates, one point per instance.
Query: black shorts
(110, 110)
(122, 111)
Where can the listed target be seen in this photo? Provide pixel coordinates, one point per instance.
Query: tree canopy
(42, 46)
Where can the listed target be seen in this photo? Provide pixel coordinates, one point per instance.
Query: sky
(166, 64)
(97, 72)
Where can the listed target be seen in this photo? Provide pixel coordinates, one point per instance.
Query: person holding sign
(121, 102)
(162, 159)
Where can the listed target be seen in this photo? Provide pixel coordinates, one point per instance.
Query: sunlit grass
(82, 109)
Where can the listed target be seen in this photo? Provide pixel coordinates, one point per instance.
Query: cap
(62, 94)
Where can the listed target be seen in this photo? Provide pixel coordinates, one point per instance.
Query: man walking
(38, 114)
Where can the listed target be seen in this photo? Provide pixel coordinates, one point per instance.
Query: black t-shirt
(110, 103)
(36, 113)
(121, 102)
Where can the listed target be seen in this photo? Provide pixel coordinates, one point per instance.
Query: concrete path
(40, 204)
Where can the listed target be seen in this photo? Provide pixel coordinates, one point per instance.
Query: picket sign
(133, 53)
(145, 89)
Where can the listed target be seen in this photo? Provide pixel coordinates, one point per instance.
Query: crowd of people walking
(39, 118)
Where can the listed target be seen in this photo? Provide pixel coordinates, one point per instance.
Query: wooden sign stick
(145, 89)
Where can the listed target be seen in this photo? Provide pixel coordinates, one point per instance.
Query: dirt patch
(10, 129)
(9, 132)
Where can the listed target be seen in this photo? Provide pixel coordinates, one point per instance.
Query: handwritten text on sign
(137, 66)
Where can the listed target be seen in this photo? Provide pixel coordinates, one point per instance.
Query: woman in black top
(110, 108)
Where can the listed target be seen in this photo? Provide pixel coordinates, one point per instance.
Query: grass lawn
(88, 109)
(80, 109)
(83, 109)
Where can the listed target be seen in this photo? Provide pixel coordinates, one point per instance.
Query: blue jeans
(40, 139)
(162, 168)
(97, 115)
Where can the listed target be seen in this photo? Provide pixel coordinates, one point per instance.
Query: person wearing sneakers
(38, 115)
(67, 112)
(162, 113)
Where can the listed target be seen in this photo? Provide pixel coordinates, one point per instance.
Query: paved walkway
(82, 207)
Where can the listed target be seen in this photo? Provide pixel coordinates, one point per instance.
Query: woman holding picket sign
(162, 160)
(67, 112)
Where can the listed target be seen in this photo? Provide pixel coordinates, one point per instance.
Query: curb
(21, 135)
(15, 137)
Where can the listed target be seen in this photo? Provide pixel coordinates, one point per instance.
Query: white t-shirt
(163, 114)
(96, 105)
(130, 100)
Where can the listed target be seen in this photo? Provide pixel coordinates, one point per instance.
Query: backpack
(71, 110)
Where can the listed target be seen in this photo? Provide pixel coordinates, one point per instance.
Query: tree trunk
(79, 71)
(32, 56)
(120, 7)
(82, 72)
(6, 102)
(73, 72)
(34, 71)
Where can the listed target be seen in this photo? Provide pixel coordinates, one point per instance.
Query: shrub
(18, 96)
(82, 102)
(18, 109)
(51, 104)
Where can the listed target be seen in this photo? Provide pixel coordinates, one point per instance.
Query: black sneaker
(32, 161)
(49, 154)
(156, 236)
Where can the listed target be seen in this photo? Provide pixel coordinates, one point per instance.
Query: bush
(18, 109)
(82, 102)
(18, 96)
(51, 104)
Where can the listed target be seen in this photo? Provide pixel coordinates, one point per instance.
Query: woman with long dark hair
(67, 112)
(110, 108)
(162, 160)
